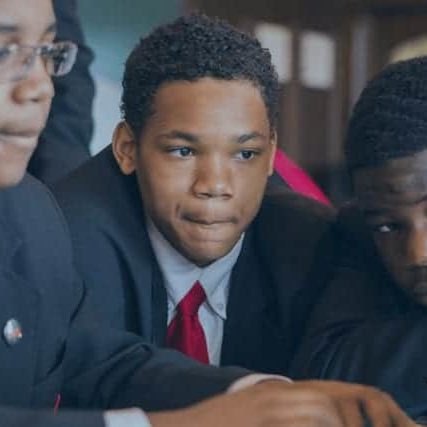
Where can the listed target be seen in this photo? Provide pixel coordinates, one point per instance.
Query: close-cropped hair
(190, 48)
(390, 118)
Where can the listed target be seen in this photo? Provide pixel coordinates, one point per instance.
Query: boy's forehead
(26, 17)
(209, 96)
(400, 180)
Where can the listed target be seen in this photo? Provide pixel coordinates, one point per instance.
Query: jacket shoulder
(97, 189)
(290, 228)
(286, 207)
(32, 206)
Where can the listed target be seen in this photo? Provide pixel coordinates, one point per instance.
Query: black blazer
(63, 350)
(364, 329)
(284, 262)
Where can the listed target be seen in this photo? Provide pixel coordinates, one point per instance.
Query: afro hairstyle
(390, 118)
(190, 48)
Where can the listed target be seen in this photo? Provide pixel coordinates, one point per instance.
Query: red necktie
(185, 332)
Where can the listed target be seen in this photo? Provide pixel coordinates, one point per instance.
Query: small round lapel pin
(12, 332)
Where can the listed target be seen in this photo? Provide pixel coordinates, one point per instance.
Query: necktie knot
(192, 301)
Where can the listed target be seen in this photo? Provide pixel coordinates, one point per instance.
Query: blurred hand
(301, 404)
(357, 404)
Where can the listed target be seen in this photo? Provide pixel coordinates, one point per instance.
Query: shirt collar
(179, 273)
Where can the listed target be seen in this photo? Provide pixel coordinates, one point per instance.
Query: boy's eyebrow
(419, 200)
(377, 211)
(177, 134)
(52, 28)
(249, 136)
(6, 28)
(190, 137)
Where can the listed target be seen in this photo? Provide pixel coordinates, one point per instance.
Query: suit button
(12, 332)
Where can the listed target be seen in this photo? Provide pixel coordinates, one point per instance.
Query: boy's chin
(11, 176)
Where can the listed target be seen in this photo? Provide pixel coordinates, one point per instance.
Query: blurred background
(324, 51)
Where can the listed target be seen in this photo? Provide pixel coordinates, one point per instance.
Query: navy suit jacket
(285, 260)
(365, 329)
(63, 349)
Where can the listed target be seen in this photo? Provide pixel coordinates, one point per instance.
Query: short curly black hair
(190, 48)
(390, 118)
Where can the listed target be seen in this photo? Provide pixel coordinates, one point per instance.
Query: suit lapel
(150, 295)
(144, 275)
(137, 253)
(147, 296)
(159, 304)
(252, 336)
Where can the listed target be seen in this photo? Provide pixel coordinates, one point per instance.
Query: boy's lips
(21, 133)
(20, 137)
(210, 221)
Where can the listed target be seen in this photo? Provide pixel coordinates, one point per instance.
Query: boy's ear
(273, 142)
(125, 148)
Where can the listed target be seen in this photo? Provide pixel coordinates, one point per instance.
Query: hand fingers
(278, 406)
(382, 411)
(306, 409)
(399, 417)
(376, 411)
(351, 414)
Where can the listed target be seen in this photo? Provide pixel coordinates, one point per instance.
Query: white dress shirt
(179, 275)
(130, 417)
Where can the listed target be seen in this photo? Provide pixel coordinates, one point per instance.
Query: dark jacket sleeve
(109, 368)
(364, 330)
(14, 417)
(64, 144)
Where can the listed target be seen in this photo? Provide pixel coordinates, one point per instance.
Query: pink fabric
(297, 179)
(185, 332)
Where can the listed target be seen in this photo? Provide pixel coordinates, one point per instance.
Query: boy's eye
(384, 228)
(5, 53)
(245, 155)
(181, 151)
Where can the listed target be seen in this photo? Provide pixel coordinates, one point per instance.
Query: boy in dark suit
(176, 208)
(374, 329)
(50, 347)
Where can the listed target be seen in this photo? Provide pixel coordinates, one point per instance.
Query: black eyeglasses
(16, 60)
